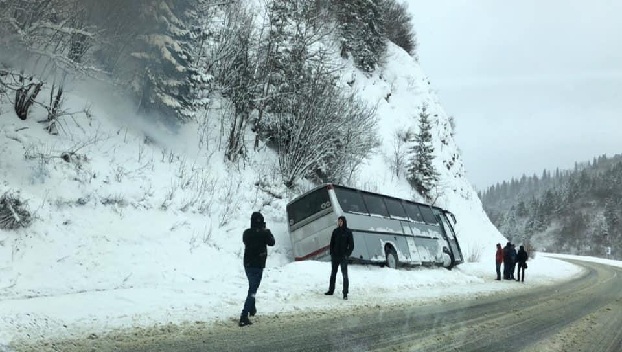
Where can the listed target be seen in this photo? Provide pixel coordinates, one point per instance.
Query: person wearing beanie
(341, 247)
(256, 239)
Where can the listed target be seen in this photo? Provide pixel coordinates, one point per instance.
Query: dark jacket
(522, 255)
(507, 254)
(256, 239)
(341, 242)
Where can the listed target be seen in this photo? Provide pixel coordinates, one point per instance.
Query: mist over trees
(575, 211)
(278, 70)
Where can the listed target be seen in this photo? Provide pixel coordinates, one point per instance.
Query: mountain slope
(144, 210)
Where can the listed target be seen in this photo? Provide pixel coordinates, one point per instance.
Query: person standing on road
(499, 260)
(256, 239)
(507, 261)
(341, 247)
(513, 263)
(522, 257)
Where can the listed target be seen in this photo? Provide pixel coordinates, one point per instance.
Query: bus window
(428, 215)
(375, 204)
(413, 212)
(395, 208)
(350, 200)
(308, 205)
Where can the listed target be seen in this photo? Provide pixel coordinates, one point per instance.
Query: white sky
(532, 84)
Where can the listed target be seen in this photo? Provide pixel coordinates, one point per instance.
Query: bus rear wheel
(391, 258)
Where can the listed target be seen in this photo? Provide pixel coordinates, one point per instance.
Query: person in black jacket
(341, 247)
(521, 258)
(256, 239)
(507, 261)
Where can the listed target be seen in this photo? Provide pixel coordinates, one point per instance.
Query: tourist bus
(387, 230)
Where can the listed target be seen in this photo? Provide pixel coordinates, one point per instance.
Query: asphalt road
(580, 315)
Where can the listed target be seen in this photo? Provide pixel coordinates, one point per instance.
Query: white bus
(387, 230)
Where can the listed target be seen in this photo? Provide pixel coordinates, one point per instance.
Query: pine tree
(361, 26)
(421, 172)
(167, 79)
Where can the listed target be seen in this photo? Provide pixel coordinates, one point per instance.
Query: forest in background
(575, 211)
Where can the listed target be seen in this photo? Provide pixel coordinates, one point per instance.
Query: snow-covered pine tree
(167, 80)
(421, 172)
(361, 28)
(398, 25)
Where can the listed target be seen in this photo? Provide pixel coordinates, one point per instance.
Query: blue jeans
(254, 279)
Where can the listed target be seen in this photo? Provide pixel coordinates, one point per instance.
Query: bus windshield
(308, 205)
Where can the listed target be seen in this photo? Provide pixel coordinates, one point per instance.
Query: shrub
(13, 212)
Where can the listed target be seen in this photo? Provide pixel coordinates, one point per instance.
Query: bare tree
(49, 39)
(398, 158)
(231, 61)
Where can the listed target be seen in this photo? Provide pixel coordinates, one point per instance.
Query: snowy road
(580, 315)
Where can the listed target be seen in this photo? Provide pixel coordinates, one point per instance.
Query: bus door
(410, 240)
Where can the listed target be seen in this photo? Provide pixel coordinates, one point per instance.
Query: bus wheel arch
(391, 260)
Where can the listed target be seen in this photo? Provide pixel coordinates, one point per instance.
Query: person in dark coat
(341, 247)
(499, 260)
(256, 239)
(507, 260)
(521, 258)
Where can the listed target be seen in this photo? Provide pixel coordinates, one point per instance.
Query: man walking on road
(256, 239)
(341, 247)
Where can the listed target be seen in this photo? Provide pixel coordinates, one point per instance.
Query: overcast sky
(532, 84)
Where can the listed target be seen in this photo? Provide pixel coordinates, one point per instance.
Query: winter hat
(257, 220)
(345, 222)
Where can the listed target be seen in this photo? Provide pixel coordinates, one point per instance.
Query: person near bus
(521, 258)
(341, 247)
(256, 239)
(499, 260)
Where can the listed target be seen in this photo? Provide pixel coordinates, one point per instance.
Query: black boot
(345, 296)
(329, 293)
(252, 312)
(244, 321)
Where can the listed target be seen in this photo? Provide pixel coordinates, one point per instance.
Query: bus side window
(413, 212)
(428, 215)
(395, 208)
(375, 204)
(350, 200)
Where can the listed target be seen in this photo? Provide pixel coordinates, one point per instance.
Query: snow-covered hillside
(133, 216)
(400, 90)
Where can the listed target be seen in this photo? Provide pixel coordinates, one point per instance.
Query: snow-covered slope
(400, 89)
(144, 212)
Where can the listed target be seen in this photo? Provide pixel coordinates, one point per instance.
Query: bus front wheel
(391, 258)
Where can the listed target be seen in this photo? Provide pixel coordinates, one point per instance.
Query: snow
(144, 226)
